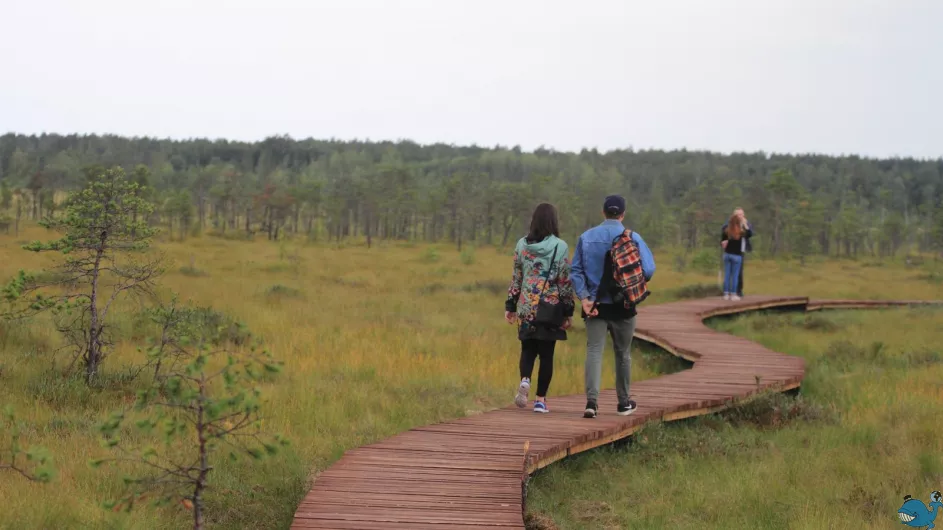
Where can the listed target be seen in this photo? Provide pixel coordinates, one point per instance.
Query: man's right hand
(589, 309)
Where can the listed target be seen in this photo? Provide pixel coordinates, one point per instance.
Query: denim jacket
(590, 255)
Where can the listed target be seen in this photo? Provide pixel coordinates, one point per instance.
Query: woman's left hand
(568, 323)
(510, 317)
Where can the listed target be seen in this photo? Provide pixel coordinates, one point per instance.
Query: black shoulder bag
(549, 315)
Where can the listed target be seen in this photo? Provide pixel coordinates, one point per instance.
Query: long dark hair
(543, 223)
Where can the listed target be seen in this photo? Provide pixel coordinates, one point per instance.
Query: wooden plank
(406, 515)
(424, 502)
(545, 459)
(322, 524)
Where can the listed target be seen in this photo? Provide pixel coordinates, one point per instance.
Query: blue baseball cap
(614, 205)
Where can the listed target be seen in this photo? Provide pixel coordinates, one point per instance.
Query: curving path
(469, 473)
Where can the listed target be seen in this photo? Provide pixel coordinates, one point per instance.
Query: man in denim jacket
(600, 314)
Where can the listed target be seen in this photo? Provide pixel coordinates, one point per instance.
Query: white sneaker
(522, 391)
(735, 298)
(726, 296)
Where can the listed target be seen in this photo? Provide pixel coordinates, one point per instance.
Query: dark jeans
(740, 277)
(531, 349)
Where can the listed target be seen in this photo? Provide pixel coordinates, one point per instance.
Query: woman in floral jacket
(541, 281)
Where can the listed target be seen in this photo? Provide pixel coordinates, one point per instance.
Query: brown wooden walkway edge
(468, 473)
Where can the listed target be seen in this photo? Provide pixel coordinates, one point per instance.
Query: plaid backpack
(622, 272)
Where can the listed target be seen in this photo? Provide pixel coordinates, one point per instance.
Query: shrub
(193, 272)
(767, 323)
(492, 286)
(191, 269)
(279, 290)
(33, 463)
(698, 290)
(914, 260)
(539, 521)
(430, 255)
(52, 277)
(658, 360)
(220, 327)
(468, 256)
(809, 322)
(70, 392)
(777, 410)
(275, 268)
(843, 355)
(706, 261)
(819, 323)
(354, 284)
(712, 435)
(924, 357)
(432, 288)
(444, 271)
(17, 336)
(230, 235)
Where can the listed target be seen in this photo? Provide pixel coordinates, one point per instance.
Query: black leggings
(530, 350)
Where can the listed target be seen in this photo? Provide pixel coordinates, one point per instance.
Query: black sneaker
(591, 409)
(626, 408)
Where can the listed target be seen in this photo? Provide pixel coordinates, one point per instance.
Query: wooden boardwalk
(469, 473)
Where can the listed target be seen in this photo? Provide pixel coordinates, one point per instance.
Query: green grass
(371, 349)
(863, 433)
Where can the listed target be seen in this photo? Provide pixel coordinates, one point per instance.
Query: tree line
(800, 204)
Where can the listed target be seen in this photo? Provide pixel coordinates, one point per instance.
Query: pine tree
(104, 256)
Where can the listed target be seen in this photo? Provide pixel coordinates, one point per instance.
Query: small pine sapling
(203, 401)
(33, 463)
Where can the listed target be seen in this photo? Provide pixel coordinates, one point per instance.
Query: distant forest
(332, 190)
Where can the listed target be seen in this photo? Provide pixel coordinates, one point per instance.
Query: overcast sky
(829, 76)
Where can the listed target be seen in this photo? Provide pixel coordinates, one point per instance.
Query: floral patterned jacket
(531, 261)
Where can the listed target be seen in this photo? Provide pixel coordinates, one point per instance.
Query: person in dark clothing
(747, 247)
(733, 240)
(541, 276)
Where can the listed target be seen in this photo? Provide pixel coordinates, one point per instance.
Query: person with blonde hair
(747, 247)
(733, 240)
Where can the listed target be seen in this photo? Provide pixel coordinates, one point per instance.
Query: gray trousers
(621, 332)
